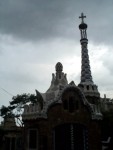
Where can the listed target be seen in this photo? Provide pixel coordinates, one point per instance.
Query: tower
(86, 84)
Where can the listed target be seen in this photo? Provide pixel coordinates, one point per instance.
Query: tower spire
(85, 68)
(86, 83)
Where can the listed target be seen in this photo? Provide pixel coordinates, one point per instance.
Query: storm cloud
(43, 19)
(36, 34)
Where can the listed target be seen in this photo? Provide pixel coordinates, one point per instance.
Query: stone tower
(86, 84)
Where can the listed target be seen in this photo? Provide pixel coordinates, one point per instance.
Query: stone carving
(39, 99)
(50, 96)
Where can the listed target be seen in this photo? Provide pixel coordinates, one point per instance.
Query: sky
(36, 34)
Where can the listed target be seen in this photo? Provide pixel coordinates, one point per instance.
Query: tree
(16, 106)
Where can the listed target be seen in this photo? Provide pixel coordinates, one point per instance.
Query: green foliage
(16, 106)
(6, 111)
(23, 99)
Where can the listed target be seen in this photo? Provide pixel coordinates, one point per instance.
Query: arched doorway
(71, 137)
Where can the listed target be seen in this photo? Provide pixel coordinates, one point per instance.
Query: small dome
(59, 67)
(83, 26)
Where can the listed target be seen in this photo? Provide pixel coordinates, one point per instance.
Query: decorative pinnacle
(85, 67)
(59, 67)
(82, 17)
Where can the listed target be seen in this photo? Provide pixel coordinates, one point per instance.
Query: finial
(59, 67)
(82, 17)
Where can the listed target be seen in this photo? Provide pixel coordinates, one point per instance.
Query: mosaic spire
(85, 66)
(86, 83)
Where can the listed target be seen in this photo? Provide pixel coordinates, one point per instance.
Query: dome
(83, 26)
(59, 67)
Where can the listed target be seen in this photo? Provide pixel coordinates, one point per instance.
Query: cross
(82, 17)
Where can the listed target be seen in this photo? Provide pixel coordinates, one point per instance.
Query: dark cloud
(35, 34)
(43, 19)
(32, 19)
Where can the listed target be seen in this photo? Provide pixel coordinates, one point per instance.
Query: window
(71, 104)
(87, 87)
(93, 88)
(65, 104)
(71, 100)
(71, 137)
(33, 139)
(76, 105)
(59, 76)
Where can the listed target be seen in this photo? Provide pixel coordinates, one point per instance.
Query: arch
(74, 89)
(70, 136)
(71, 99)
(58, 100)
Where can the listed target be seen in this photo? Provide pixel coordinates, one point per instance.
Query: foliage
(15, 108)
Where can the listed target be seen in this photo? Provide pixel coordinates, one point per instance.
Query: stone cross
(82, 17)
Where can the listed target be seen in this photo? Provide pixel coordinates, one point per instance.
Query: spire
(86, 83)
(85, 68)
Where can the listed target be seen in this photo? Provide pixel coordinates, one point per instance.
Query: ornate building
(67, 116)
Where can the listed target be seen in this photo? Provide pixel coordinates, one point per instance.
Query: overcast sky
(36, 34)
